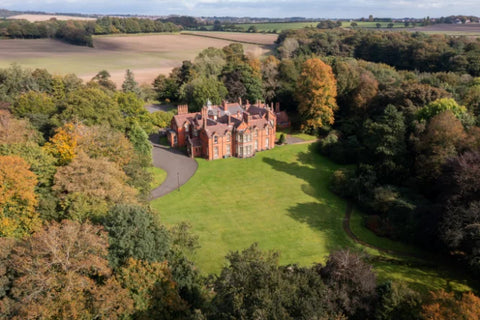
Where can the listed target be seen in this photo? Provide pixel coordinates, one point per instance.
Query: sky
(253, 8)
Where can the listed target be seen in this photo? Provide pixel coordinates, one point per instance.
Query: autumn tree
(152, 289)
(33, 102)
(270, 81)
(442, 139)
(61, 272)
(316, 93)
(444, 306)
(63, 145)
(88, 187)
(17, 198)
(104, 142)
(16, 130)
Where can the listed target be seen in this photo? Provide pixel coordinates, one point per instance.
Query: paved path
(178, 166)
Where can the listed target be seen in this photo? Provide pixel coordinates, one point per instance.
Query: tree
(103, 79)
(129, 84)
(104, 142)
(378, 25)
(252, 286)
(61, 273)
(87, 187)
(270, 81)
(133, 110)
(351, 284)
(133, 233)
(153, 290)
(443, 139)
(91, 106)
(441, 105)
(34, 102)
(17, 198)
(139, 139)
(209, 62)
(197, 92)
(444, 306)
(16, 130)
(316, 93)
(385, 141)
(63, 145)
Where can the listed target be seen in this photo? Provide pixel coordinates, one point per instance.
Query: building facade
(227, 130)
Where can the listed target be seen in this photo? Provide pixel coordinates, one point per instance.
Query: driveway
(178, 166)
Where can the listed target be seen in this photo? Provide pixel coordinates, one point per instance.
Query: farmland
(45, 17)
(146, 55)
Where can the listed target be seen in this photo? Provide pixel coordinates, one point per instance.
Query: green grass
(159, 176)
(300, 135)
(280, 199)
(277, 26)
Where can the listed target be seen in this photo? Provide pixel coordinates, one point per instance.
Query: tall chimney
(229, 120)
(240, 101)
(204, 116)
(182, 109)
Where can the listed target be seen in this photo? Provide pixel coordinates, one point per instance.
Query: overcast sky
(252, 8)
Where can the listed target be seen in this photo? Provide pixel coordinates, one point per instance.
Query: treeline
(80, 32)
(402, 50)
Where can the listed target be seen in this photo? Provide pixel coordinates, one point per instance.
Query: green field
(277, 26)
(280, 199)
(368, 24)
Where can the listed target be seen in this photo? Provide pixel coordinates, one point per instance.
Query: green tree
(134, 233)
(197, 92)
(103, 79)
(129, 84)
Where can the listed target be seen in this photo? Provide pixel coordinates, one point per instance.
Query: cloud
(265, 8)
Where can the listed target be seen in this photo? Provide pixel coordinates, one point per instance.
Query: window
(240, 151)
(255, 133)
(267, 144)
(227, 153)
(248, 150)
(195, 132)
(175, 140)
(266, 130)
(215, 139)
(256, 145)
(215, 153)
(186, 127)
(228, 137)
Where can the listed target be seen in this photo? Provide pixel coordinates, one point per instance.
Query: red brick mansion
(227, 130)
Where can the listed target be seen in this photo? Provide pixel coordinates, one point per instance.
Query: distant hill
(4, 13)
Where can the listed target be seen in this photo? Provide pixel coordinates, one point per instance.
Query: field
(277, 26)
(253, 38)
(146, 55)
(280, 199)
(45, 17)
(472, 29)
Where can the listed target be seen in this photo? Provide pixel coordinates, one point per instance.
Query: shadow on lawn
(327, 214)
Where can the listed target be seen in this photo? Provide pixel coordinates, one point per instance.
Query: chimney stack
(204, 116)
(182, 109)
(229, 120)
(240, 101)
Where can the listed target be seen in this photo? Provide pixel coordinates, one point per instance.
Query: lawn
(158, 175)
(296, 134)
(280, 199)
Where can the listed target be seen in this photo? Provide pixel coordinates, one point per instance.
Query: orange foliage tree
(316, 94)
(63, 144)
(444, 306)
(17, 197)
(61, 272)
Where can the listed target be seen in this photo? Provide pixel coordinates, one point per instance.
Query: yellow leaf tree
(17, 198)
(316, 94)
(63, 144)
